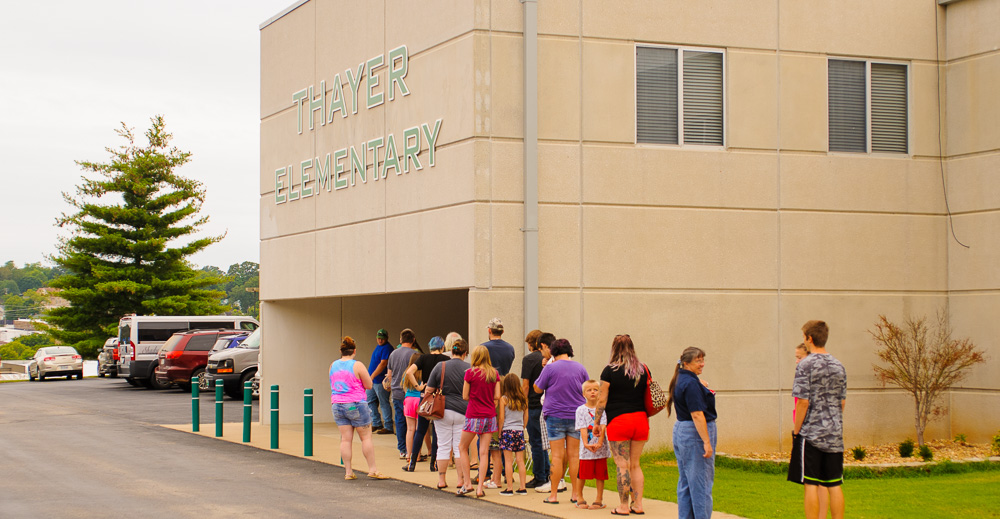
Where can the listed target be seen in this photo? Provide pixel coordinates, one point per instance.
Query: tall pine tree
(125, 253)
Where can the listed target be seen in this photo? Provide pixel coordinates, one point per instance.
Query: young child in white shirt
(594, 451)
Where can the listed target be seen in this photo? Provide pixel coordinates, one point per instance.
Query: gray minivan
(234, 366)
(140, 338)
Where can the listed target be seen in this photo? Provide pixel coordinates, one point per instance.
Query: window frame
(868, 106)
(680, 96)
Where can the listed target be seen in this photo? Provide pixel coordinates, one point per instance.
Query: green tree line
(133, 224)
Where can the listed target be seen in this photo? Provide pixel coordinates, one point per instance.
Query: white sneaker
(544, 488)
(562, 486)
(489, 484)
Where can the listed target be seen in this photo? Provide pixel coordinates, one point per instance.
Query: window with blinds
(679, 96)
(867, 107)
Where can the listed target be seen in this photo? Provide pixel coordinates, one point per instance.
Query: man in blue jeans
(531, 367)
(378, 397)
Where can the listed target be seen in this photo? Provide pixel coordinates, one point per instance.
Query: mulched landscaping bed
(888, 453)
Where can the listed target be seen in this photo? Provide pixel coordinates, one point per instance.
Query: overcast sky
(72, 71)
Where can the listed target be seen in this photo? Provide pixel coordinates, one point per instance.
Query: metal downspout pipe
(530, 229)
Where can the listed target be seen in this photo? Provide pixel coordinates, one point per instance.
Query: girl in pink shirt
(483, 392)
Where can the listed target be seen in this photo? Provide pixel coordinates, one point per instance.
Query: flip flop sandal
(350, 477)
(582, 505)
(616, 512)
(597, 505)
(633, 512)
(377, 475)
(442, 487)
(546, 501)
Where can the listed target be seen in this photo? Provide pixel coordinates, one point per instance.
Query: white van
(140, 338)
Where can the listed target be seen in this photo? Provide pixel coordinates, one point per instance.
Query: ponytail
(687, 356)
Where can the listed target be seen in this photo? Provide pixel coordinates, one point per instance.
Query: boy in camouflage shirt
(818, 434)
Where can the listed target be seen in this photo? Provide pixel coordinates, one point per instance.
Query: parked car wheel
(131, 381)
(100, 374)
(237, 394)
(31, 376)
(79, 376)
(186, 386)
(41, 376)
(152, 383)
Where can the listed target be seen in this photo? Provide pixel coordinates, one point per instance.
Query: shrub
(859, 453)
(961, 438)
(995, 445)
(925, 453)
(906, 448)
(924, 360)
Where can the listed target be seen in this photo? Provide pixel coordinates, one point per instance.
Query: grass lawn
(761, 495)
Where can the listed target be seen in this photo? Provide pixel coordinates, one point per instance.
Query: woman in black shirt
(623, 393)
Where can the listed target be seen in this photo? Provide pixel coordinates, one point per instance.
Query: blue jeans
(397, 404)
(560, 428)
(378, 399)
(355, 414)
(539, 459)
(423, 425)
(697, 474)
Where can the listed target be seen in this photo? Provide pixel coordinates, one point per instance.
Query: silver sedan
(56, 361)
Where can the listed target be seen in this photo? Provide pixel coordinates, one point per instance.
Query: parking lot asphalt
(96, 448)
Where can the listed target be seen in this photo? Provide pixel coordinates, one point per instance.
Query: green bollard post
(247, 410)
(218, 408)
(307, 422)
(274, 416)
(195, 414)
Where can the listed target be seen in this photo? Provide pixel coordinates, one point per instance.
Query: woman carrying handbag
(624, 385)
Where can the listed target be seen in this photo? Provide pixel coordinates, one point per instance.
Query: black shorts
(811, 466)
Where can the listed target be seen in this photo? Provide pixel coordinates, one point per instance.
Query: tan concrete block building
(691, 173)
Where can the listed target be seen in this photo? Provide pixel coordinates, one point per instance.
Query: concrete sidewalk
(326, 449)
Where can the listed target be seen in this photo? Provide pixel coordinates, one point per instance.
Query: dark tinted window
(248, 325)
(159, 332)
(211, 325)
(201, 342)
(124, 334)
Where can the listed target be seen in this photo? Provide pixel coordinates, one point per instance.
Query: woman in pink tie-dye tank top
(348, 381)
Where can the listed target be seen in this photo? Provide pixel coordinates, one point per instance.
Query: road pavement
(95, 448)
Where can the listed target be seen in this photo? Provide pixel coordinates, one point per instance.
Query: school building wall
(727, 248)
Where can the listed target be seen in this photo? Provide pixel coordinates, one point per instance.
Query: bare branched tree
(924, 360)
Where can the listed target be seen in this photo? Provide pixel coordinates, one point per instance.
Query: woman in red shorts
(623, 394)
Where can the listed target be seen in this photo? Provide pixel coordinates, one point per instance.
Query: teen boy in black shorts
(818, 434)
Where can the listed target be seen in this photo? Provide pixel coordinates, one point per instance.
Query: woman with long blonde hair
(622, 397)
(482, 390)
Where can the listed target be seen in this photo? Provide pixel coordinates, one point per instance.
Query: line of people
(570, 422)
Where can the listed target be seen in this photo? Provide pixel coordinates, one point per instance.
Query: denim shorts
(559, 428)
(355, 414)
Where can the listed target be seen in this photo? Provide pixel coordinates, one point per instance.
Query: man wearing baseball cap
(378, 396)
(501, 351)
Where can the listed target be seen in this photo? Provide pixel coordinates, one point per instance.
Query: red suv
(185, 355)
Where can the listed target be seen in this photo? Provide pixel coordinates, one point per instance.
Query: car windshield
(228, 341)
(60, 350)
(252, 342)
